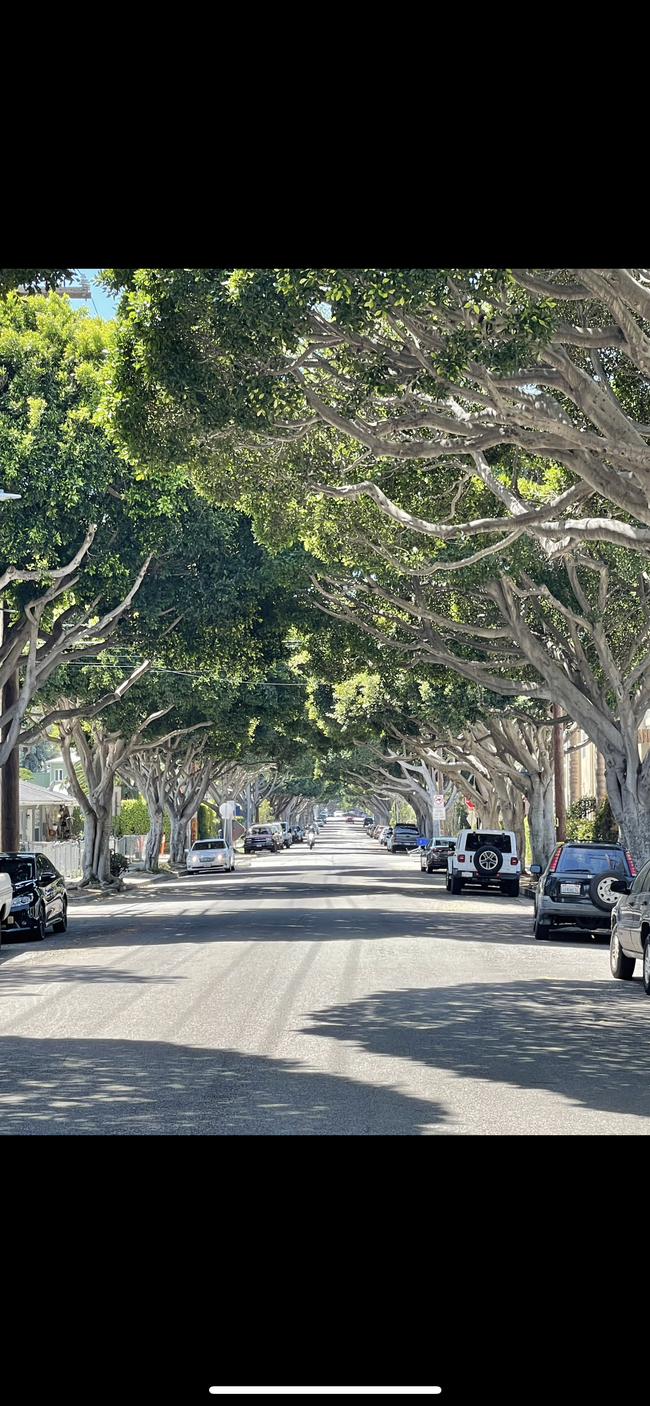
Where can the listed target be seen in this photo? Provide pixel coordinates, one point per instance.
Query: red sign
(470, 805)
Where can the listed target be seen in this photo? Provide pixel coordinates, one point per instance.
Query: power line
(185, 673)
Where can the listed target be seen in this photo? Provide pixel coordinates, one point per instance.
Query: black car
(434, 855)
(40, 895)
(577, 888)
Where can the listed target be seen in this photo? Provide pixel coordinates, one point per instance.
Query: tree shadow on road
(588, 1041)
(294, 924)
(132, 1087)
(49, 974)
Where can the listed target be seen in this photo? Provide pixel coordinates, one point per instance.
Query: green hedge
(206, 821)
(134, 819)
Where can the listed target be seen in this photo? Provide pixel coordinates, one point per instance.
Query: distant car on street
(402, 837)
(435, 854)
(210, 854)
(485, 858)
(260, 838)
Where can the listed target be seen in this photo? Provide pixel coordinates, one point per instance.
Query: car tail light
(514, 860)
(630, 861)
(556, 856)
(460, 858)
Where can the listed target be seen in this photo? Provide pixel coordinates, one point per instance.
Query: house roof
(29, 794)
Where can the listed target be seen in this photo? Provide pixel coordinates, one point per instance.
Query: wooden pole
(558, 762)
(11, 777)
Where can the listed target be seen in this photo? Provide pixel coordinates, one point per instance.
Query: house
(584, 768)
(45, 814)
(54, 773)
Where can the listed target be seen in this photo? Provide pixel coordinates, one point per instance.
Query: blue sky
(102, 305)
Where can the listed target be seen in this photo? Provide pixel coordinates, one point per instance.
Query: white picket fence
(66, 856)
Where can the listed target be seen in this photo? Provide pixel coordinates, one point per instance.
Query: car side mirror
(535, 869)
(619, 886)
(47, 876)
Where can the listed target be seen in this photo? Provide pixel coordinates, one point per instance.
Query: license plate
(569, 888)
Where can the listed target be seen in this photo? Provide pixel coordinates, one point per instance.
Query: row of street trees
(144, 628)
(466, 453)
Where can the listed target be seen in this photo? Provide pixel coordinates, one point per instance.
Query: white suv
(487, 858)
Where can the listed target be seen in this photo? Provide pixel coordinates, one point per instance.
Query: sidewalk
(132, 880)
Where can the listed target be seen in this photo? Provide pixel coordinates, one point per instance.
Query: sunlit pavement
(338, 991)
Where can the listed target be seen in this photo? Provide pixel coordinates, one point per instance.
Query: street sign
(439, 801)
(227, 810)
(470, 805)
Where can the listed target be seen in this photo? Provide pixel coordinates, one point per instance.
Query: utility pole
(10, 783)
(10, 775)
(558, 766)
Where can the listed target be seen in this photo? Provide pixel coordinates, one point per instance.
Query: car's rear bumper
(471, 877)
(566, 912)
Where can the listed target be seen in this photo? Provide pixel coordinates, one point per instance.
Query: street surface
(338, 992)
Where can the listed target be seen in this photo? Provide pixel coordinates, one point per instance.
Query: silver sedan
(210, 854)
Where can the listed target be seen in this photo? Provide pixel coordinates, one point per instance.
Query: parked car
(402, 837)
(385, 834)
(39, 895)
(436, 853)
(576, 889)
(487, 859)
(210, 854)
(6, 900)
(630, 937)
(260, 837)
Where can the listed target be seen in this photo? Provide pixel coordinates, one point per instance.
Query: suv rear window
(592, 861)
(484, 837)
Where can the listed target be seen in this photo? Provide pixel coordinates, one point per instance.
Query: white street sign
(439, 801)
(227, 810)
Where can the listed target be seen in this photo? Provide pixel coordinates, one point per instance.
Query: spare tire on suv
(488, 861)
(600, 892)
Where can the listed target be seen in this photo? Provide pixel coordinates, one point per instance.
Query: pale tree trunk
(149, 776)
(541, 817)
(185, 785)
(99, 763)
(154, 838)
(631, 810)
(178, 838)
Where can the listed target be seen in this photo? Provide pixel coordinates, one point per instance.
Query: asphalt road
(338, 992)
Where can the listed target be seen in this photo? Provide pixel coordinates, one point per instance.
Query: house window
(58, 773)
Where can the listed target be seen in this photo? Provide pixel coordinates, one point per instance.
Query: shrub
(580, 819)
(605, 827)
(118, 863)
